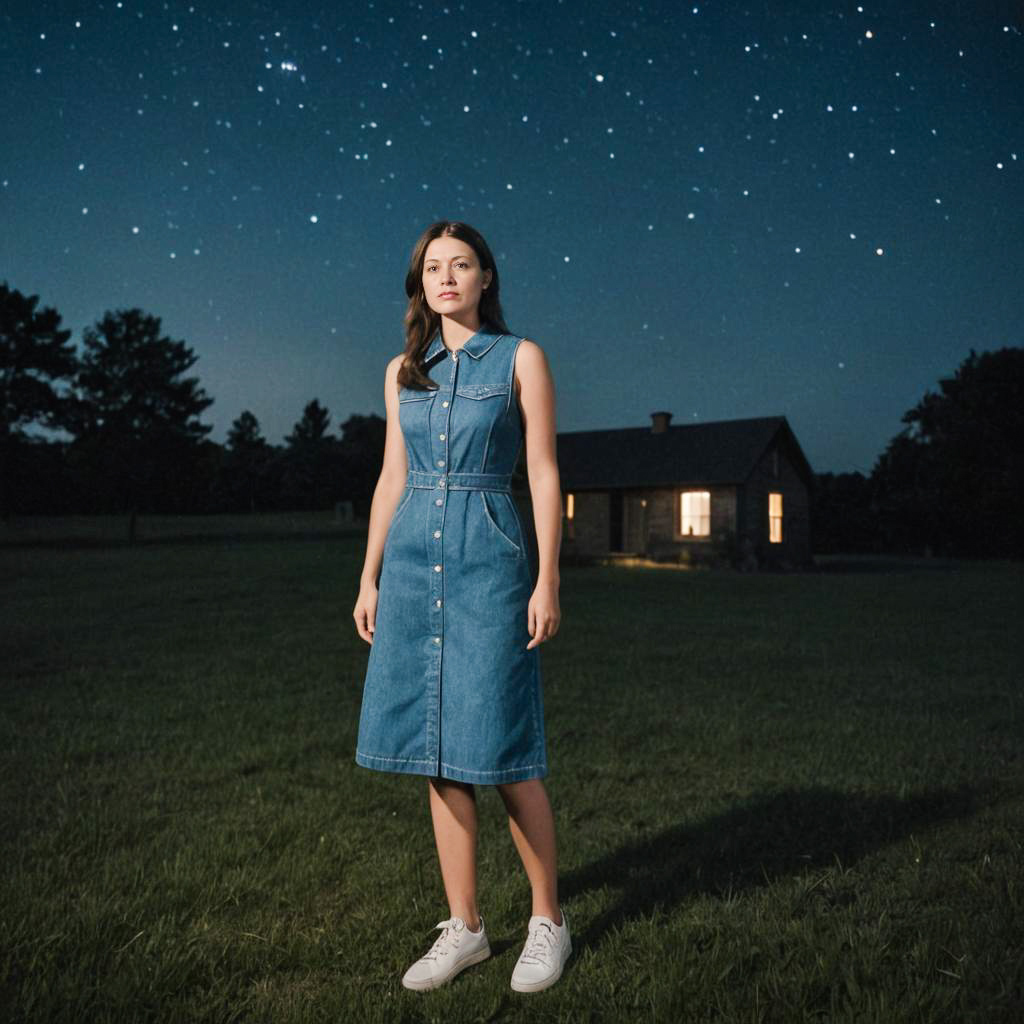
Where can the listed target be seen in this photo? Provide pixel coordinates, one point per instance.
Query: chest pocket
(414, 412)
(480, 391)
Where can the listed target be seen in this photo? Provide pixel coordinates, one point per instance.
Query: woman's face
(452, 279)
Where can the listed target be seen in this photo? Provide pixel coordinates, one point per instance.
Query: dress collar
(475, 346)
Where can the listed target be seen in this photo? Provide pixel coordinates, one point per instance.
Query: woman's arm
(536, 392)
(389, 489)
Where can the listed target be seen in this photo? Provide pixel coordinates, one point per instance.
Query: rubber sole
(539, 986)
(422, 986)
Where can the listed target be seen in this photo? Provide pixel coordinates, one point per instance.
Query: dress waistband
(460, 481)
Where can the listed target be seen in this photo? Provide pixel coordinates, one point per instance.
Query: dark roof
(723, 452)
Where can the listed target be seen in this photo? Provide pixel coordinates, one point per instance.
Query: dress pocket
(502, 511)
(402, 506)
(414, 411)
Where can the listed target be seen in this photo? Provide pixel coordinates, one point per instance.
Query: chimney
(659, 422)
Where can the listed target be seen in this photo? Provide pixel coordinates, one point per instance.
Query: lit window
(570, 520)
(775, 518)
(570, 506)
(695, 509)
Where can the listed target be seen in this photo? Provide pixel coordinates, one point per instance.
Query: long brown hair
(421, 322)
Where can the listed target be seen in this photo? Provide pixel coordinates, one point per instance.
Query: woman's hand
(365, 612)
(543, 614)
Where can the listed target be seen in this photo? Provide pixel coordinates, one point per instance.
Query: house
(733, 491)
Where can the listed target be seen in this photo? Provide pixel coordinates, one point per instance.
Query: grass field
(779, 798)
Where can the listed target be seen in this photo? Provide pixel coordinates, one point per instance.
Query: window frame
(775, 517)
(701, 517)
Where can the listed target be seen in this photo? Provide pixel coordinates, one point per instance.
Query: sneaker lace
(445, 942)
(539, 945)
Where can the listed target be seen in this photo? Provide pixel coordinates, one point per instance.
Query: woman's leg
(533, 829)
(453, 810)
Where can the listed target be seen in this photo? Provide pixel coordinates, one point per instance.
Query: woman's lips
(448, 295)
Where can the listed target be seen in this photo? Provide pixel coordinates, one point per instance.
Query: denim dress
(450, 688)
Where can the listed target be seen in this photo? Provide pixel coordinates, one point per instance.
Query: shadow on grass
(769, 838)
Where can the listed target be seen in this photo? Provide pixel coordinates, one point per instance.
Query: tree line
(137, 443)
(950, 483)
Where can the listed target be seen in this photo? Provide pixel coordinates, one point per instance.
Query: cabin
(732, 492)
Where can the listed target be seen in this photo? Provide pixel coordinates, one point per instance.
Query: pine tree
(138, 431)
(311, 463)
(247, 464)
(35, 357)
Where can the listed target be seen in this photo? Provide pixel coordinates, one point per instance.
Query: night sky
(719, 209)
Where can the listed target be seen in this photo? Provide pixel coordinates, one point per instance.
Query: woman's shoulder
(530, 365)
(391, 373)
(529, 350)
(394, 365)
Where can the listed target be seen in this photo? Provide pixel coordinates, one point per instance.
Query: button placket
(436, 559)
(437, 574)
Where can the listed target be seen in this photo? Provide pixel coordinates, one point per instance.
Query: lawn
(779, 797)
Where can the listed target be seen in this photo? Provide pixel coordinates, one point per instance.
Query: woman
(453, 683)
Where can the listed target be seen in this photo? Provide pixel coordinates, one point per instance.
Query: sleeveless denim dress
(450, 688)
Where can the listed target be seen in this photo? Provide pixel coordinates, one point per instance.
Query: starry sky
(721, 209)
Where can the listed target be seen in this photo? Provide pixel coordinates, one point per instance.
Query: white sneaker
(456, 948)
(543, 957)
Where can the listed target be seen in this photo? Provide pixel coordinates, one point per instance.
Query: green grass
(108, 531)
(779, 797)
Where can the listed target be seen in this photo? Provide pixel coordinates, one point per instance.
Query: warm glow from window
(570, 506)
(695, 518)
(775, 518)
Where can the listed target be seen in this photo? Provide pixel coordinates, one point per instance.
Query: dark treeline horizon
(950, 483)
(137, 442)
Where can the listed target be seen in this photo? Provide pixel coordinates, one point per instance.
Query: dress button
(437, 639)
(437, 568)
(437, 533)
(438, 501)
(440, 483)
(441, 436)
(439, 602)
(445, 403)
(440, 462)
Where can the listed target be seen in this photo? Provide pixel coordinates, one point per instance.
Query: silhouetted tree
(312, 427)
(843, 518)
(245, 433)
(362, 455)
(137, 430)
(246, 465)
(953, 480)
(312, 470)
(35, 357)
